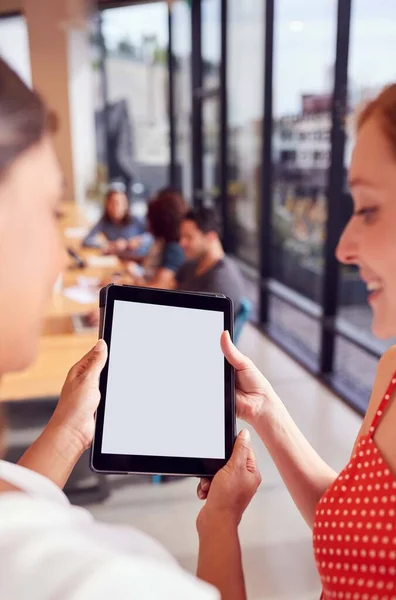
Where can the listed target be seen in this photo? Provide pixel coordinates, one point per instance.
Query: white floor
(276, 543)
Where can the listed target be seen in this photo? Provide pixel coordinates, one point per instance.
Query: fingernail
(204, 486)
(245, 435)
(100, 346)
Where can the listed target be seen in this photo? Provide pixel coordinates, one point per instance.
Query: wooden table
(59, 347)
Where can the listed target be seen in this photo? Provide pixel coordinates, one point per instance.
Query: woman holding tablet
(49, 549)
(352, 514)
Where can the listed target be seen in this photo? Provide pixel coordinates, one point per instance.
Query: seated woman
(118, 227)
(165, 257)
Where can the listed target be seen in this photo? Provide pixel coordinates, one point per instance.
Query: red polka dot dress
(355, 525)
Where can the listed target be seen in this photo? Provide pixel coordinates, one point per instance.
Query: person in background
(164, 218)
(118, 229)
(48, 548)
(208, 268)
(165, 257)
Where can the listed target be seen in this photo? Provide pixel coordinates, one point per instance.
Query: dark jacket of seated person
(208, 269)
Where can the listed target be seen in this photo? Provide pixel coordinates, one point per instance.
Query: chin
(383, 330)
(19, 358)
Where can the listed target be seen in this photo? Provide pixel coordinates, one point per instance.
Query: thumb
(242, 449)
(96, 359)
(236, 359)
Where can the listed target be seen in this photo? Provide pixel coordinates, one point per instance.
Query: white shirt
(50, 549)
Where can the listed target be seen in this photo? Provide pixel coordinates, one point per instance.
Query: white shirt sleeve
(139, 580)
(50, 551)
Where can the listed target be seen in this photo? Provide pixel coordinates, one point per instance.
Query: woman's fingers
(242, 449)
(236, 359)
(203, 488)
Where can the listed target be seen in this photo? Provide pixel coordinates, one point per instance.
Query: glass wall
(245, 78)
(136, 40)
(210, 140)
(211, 43)
(304, 57)
(181, 60)
(302, 87)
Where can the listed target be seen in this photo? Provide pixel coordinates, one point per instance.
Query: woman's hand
(80, 397)
(135, 243)
(254, 394)
(132, 268)
(70, 431)
(232, 488)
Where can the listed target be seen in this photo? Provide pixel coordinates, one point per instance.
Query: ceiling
(114, 3)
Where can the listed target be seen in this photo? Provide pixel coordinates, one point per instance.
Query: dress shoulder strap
(383, 405)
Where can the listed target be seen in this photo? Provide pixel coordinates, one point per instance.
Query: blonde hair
(383, 107)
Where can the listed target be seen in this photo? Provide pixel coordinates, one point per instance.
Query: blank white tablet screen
(165, 388)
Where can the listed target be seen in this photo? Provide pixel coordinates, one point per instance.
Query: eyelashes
(367, 213)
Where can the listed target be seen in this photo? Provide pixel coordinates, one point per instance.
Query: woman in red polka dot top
(353, 515)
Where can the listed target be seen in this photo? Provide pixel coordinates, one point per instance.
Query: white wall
(81, 107)
(14, 46)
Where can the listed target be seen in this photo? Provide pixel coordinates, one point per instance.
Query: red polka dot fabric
(355, 525)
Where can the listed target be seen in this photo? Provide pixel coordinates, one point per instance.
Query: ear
(212, 236)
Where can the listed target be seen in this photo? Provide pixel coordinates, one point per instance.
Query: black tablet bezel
(116, 463)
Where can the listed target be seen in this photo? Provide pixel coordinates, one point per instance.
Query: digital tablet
(167, 393)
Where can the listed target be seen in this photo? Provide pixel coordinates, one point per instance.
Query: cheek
(34, 258)
(378, 250)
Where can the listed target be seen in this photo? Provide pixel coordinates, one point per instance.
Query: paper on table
(75, 233)
(102, 261)
(88, 282)
(82, 295)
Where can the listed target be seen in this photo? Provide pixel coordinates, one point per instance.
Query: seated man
(207, 269)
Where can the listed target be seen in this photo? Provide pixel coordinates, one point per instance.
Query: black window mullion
(171, 103)
(335, 188)
(196, 125)
(266, 166)
(223, 141)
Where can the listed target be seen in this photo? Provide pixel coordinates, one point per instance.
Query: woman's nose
(347, 249)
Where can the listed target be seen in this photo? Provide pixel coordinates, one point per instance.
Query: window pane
(304, 55)
(354, 372)
(14, 45)
(372, 42)
(211, 42)
(136, 39)
(181, 31)
(297, 331)
(210, 139)
(245, 77)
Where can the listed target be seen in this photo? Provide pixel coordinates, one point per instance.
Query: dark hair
(206, 219)
(24, 119)
(165, 214)
(127, 218)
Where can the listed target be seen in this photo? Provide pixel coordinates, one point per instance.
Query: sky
(304, 45)
(304, 51)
